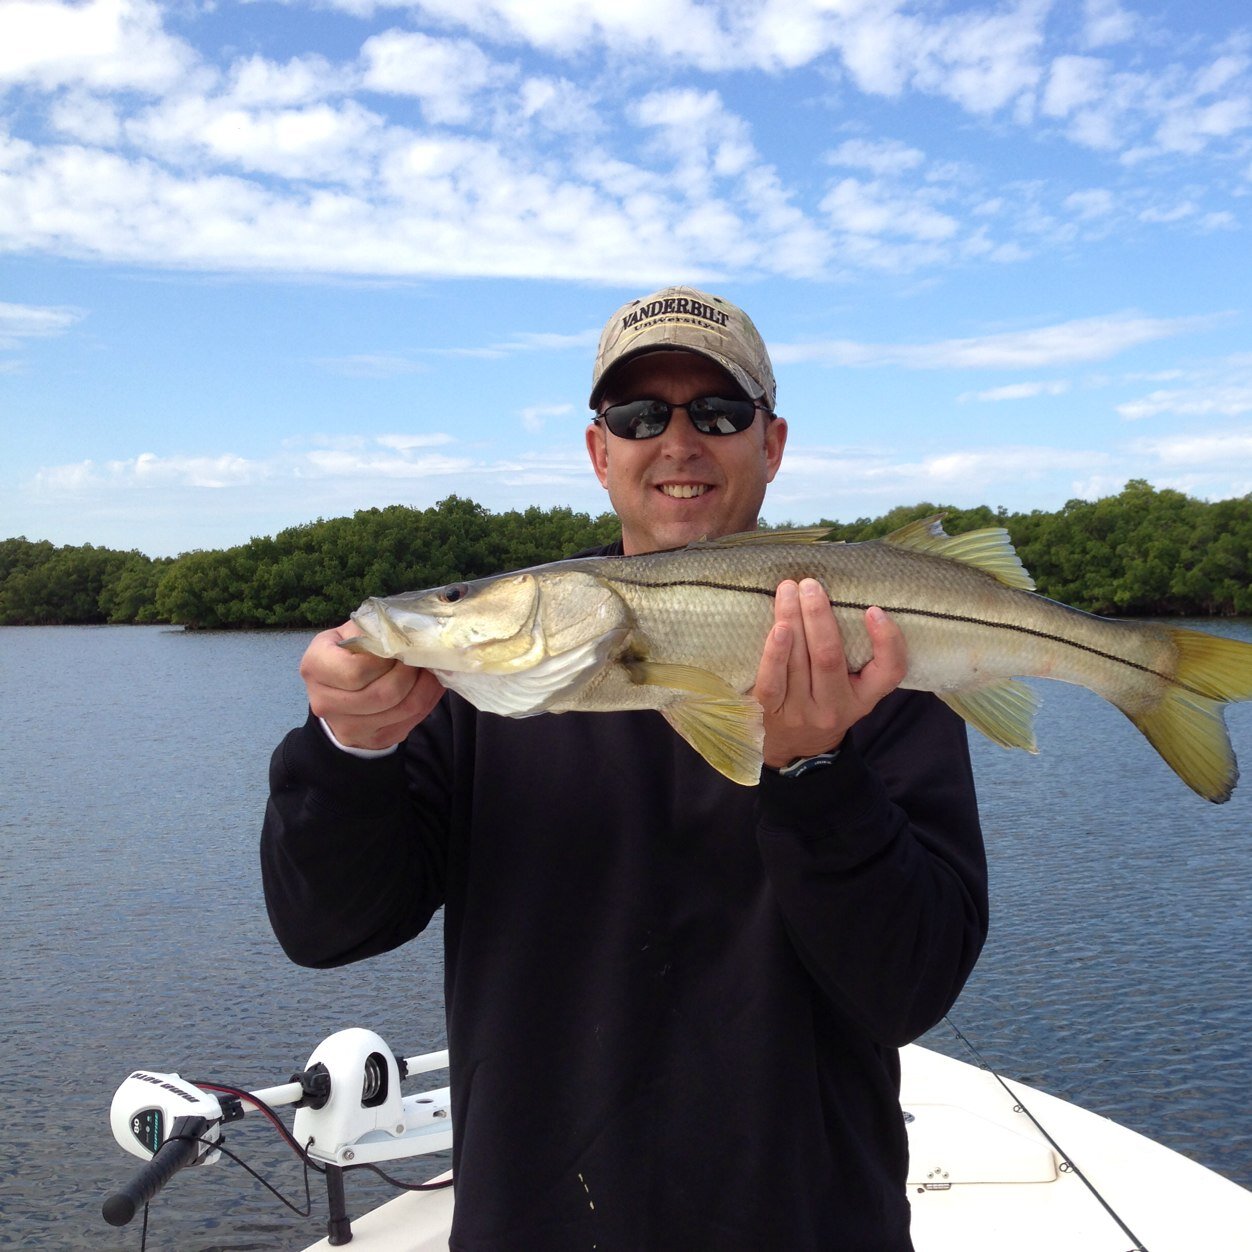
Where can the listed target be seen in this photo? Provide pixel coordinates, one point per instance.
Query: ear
(598, 450)
(775, 442)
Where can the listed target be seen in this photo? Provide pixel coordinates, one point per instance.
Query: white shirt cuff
(366, 753)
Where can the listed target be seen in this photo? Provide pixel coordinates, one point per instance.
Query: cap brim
(751, 388)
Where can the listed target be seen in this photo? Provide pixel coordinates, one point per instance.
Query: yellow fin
(989, 549)
(1186, 727)
(728, 733)
(724, 727)
(1004, 712)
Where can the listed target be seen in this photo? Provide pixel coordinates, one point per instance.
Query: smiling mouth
(683, 491)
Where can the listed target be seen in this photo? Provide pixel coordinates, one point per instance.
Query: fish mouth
(683, 491)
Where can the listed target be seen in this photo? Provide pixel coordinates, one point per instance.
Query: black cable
(403, 1186)
(277, 1122)
(294, 1144)
(303, 1153)
(1065, 1156)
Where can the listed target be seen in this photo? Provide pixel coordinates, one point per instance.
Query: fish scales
(959, 621)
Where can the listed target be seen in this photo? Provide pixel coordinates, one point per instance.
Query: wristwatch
(802, 764)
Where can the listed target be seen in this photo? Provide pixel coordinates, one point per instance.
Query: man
(673, 1003)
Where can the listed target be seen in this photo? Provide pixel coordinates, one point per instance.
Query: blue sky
(267, 262)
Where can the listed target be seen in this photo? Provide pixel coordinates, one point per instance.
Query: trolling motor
(349, 1112)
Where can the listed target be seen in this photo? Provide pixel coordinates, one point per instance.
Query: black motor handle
(183, 1147)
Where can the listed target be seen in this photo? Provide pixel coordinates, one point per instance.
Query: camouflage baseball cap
(687, 320)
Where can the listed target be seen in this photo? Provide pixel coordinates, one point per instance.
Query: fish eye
(453, 593)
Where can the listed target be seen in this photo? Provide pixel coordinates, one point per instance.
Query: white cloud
(99, 44)
(1230, 399)
(873, 478)
(1097, 202)
(319, 141)
(1076, 83)
(697, 131)
(407, 442)
(984, 61)
(317, 164)
(869, 208)
(385, 464)
(534, 416)
(371, 365)
(85, 116)
(1065, 343)
(444, 74)
(1225, 449)
(1018, 391)
(1175, 212)
(880, 157)
(147, 470)
(1106, 22)
(257, 82)
(32, 321)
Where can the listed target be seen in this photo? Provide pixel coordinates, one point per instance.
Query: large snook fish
(682, 632)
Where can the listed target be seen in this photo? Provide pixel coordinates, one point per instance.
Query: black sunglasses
(710, 415)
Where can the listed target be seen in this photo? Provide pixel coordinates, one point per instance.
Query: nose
(680, 439)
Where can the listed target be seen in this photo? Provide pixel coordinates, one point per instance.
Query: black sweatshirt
(673, 1002)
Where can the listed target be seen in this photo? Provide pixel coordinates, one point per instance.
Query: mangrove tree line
(1139, 553)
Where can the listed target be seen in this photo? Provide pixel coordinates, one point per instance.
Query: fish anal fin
(723, 726)
(989, 549)
(1004, 712)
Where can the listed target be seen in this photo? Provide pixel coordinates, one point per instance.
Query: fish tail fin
(1186, 726)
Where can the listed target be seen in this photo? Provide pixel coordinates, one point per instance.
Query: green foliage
(1141, 552)
(43, 585)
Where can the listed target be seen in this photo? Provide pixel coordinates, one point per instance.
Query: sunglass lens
(714, 416)
(640, 419)
(711, 415)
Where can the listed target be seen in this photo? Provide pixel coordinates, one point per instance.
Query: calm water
(132, 780)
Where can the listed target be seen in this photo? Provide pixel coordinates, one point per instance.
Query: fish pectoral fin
(729, 734)
(699, 682)
(1004, 712)
(724, 727)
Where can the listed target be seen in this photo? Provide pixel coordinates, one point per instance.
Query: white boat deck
(983, 1178)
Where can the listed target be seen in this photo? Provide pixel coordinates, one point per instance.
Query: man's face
(681, 485)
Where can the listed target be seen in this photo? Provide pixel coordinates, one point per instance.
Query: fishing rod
(350, 1114)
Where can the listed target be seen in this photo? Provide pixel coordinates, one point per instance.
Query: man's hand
(803, 683)
(367, 702)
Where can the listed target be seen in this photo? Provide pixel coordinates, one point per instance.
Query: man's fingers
(790, 614)
(326, 663)
(889, 665)
(828, 665)
(392, 724)
(367, 701)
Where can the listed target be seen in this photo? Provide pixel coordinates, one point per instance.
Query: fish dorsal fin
(724, 727)
(989, 549)
(804, 534)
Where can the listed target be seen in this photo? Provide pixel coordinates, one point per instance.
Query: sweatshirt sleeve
(878, 867)
(351, 863)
